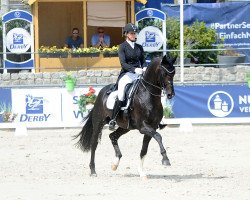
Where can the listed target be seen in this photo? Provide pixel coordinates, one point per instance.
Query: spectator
(74, 41)
(100, 39)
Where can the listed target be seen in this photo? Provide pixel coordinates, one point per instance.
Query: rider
(133, 64)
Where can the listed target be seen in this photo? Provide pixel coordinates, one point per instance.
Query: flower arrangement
(46, 51)
(110, 52)
(88, 52)
(6, 112)
(88, 98)
(69, 76)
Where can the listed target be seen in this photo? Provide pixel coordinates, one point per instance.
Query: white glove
(144, 69)
(138, 71)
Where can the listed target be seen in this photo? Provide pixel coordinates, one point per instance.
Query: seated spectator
(100, 39)
(74, 41)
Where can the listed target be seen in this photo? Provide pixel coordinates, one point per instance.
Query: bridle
(162, 82)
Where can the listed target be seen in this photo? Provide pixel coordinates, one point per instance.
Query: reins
(142, 79)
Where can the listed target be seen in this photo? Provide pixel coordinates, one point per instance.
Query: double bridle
(163, 84)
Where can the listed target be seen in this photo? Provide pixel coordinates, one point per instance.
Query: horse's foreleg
(152, 133)
(144, 150)
(158, 138)
(114, 136)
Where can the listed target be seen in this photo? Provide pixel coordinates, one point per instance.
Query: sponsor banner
(58, 105)
(231, 20)
(70, 111)
(211, 101)
(37, 105)
(5, 103)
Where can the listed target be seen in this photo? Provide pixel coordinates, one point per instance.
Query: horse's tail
(86, 133)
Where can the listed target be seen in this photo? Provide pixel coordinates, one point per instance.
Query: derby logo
(151, 38)
(18, 40)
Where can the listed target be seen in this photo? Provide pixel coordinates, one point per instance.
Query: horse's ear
(173, 59)
(164, 60)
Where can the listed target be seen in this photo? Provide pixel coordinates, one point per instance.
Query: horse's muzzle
(171, 95)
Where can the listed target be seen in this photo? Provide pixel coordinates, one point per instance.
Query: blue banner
(211, 101)
(5, 104)
(231, 20)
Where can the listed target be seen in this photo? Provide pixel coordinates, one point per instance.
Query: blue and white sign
(57, 105)
(151, 38)
(212, 101)
(37, 105)
(18, 40)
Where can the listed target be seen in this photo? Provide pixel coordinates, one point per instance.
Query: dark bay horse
(145, 113)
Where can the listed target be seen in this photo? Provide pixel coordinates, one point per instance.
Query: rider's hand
(138, 71)
(144, 69)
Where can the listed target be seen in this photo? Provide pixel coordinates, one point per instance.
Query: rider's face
(132, 36)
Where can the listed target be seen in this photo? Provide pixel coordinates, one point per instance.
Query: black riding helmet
(130, 28)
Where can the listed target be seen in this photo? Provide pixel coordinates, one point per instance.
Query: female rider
(133, 64)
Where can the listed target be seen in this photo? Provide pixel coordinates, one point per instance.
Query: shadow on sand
(178, 177)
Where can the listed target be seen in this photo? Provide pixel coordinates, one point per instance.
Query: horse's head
(167, 72)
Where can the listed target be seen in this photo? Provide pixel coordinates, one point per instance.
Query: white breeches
(127, 78)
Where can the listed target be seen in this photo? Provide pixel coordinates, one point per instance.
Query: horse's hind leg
(97, 128)
(114, 136)
(144, 150)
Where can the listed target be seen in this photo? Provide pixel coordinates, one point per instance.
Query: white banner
(37, 105)
(48, 106)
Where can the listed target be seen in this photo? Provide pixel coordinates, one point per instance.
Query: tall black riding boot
(116, 110)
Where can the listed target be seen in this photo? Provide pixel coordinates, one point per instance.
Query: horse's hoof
(114, 167)
(144, 178)
(93, 175)
(166, 163)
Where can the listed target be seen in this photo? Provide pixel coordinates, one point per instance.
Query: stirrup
(112, 124)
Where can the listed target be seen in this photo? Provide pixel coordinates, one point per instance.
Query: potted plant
(229, 57)
(86, 52)
(53, 52)
(110, 52)
(87, 100)
(196, 36)
(70, 82)
(6, 112)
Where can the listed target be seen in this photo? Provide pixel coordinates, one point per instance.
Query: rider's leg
(116, 110)
(127, 78)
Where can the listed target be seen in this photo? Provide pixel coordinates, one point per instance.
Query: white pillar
(4, 6)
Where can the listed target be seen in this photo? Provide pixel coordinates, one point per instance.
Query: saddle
(129, 93)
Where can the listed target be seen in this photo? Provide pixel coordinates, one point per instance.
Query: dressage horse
(145, 113)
